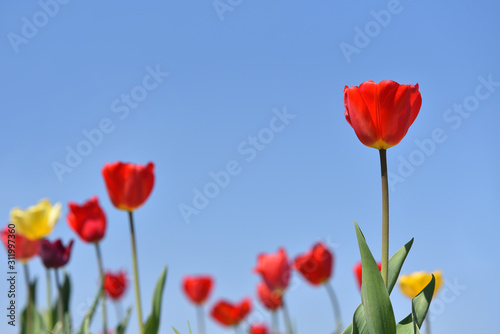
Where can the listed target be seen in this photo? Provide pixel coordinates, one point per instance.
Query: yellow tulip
(411, 285)
(37, 221)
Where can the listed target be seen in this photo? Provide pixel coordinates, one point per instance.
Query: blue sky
(187, 87)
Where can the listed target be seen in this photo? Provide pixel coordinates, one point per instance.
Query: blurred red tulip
(271, 301)
(358, 272)
(316, 264)
(258, 329)
(54, 254)
(275, 270)
(22, 247)
(87, 220)
(115, 284)
(197, 288)
(228, 314)
(382, 113)
(128, 185)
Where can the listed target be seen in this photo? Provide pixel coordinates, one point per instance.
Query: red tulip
(228, 314)
(275, 270)
(271, 301)
(54, 255)
(381, 114)
(358, 272)
(259, 329)
(128, 185)
(316, 264)
(87, 220)
(22, 247)
(198, 288)
(115, 284)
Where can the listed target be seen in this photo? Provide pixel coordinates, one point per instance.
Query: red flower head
(197, 288)
(228, 314)
(87, 220)
(259, 329)
(275, 270)
(22, 247)
(115, 284)
(128, 185)
(358, 272)
(54, 255)
(381, 114)
(271, 301)
(316, 264)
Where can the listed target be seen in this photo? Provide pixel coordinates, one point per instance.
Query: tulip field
(250, 168)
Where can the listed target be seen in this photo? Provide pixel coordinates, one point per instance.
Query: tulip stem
(286, 316)
(59, 299)
(49, 299)
(103, 299)
(335, 306)
(29, 317)
(136, 273)
(427, 326)
(201, 319)
(274, 322)
(385, 216)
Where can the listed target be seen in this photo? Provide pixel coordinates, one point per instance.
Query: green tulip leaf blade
(419, 307)
(348, 329)
(421, 302)
(395, 264)
(153, 323)
(36, 318)
(90, 313)
(377, 306)
(122, 326)
(177, 332)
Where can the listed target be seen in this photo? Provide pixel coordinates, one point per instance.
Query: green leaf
(36, 318)
(123, 324)
(66, 292)
(379, 315)
(395, 265)
(419, 307)
(153, 323)
(421, 302)
(359, 321)
(84, 328)
(177, 332)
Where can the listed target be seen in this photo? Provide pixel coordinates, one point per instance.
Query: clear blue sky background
(309, 183)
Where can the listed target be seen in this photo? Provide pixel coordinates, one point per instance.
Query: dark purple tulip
(54, 255)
